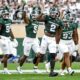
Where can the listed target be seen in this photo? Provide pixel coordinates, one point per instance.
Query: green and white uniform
(7, 23)
(51, 25)
(30, 41)
(5, 36)
(67, 32)
(31, 29)
(66, 43)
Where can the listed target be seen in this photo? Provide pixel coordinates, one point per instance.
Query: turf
(12, 66)
(38, 77)
(33, 76)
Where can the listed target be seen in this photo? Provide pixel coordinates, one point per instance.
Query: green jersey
(32, 28)
(6, 23)
(52, 24)
(67, 32)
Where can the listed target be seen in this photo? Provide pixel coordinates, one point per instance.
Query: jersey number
(7, 29)
(53, 27)
(67, 35)
(35, 29)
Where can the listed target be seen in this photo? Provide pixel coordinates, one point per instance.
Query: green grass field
(35, 76)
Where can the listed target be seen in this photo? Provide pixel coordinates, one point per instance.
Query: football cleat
(19, 70)
(62, 73)
(6, 71)
(71, 72)
(36, 70)
(53, 74)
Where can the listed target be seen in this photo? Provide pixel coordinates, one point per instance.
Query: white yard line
(42, 71)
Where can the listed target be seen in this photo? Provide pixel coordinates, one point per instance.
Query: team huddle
(60, 35)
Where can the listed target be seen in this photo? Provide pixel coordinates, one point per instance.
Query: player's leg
(72, 50)
(52, 51)
(5, 48)
(66, 56)
(5, 61)
(57, 58)
(27, 47)
(38, 57)
(21, 62)
(47, 63)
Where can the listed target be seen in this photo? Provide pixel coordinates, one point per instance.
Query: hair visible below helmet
(5, 14)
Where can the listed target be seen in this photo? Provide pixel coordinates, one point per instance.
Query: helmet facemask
(5, 15)
(35, 12)
(34, 15)
(53, 13)
(65, 22)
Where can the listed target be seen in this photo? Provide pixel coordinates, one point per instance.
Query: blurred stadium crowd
(16, 7)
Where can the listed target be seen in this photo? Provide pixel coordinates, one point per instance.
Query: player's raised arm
(25, 17)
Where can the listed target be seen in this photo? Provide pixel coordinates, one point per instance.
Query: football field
(30, 75)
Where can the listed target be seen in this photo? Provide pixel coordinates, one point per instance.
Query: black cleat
(53, 74)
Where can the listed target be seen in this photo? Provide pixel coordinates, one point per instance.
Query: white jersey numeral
(53, 27)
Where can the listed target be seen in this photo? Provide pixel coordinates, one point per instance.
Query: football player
(6, 34)
(67, 48)
(30, 41)
(51, 37)
(70, 39)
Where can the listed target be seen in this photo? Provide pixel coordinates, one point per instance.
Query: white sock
(69, 69)
(36, 67)
(5, 69)
(19, 67)
(62, 70)
(48, 65)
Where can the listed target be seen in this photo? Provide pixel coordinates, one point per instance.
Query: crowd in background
(16, 7)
